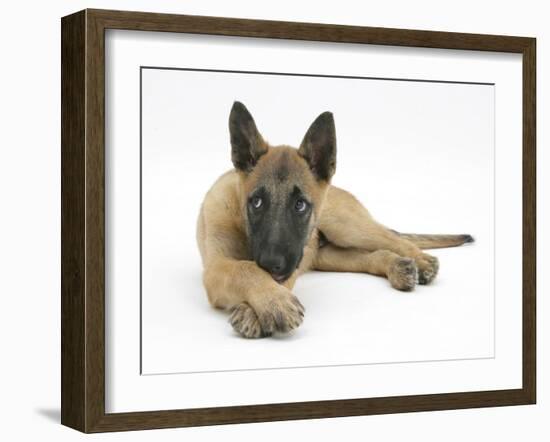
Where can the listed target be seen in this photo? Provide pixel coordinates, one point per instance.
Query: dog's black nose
(274, 264)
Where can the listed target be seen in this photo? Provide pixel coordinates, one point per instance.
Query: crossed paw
(281, 312)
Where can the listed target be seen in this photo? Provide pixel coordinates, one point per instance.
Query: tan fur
(356, 243)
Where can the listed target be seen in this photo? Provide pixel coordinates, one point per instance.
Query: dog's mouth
(282, 277)
(279, 278)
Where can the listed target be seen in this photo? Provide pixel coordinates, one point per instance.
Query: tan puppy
(276, 215)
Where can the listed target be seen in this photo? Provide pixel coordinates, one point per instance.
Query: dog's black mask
(278, 229)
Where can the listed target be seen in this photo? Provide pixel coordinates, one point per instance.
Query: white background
(419, 155)
(30, 235)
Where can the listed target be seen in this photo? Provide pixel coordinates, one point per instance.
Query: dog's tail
(436, 241)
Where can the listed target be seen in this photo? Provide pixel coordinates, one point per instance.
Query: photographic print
(418, 155)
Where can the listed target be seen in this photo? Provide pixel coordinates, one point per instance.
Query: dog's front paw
(428, 266)
(244, 321)
(403, 274)
(280, 312)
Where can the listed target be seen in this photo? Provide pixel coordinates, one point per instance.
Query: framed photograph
(270, 220)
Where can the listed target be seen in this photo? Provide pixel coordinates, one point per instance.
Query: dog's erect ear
(319, 147)
(247, 145)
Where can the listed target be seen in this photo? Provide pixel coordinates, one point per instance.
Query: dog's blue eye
(300, 206)
(256, 202)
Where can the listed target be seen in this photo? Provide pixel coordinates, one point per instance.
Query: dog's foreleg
(401, 272)
(259, 306)
(345, 222)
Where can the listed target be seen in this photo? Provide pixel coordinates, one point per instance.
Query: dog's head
(284, 188)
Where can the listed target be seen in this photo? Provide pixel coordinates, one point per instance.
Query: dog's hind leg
(401, 272)
(346, 223)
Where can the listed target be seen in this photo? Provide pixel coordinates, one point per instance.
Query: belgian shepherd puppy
(276, 215)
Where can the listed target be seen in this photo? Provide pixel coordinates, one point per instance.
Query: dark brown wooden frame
(83, 216)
